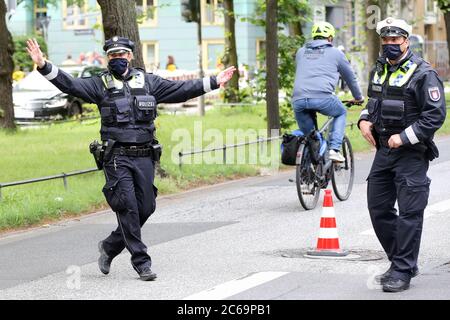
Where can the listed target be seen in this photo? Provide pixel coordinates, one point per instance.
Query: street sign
(83, 32)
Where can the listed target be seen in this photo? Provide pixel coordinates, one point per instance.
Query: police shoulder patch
(434, 93)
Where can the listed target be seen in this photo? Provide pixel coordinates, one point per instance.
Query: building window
(212, 54)
(146, 12)
(212, 12)
(150, 54)
(74, 16)
(260, 51)
(40, 16)
(431, 13)
(430, 6)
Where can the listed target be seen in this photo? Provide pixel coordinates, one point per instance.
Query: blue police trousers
(131, 194)
(399, 175)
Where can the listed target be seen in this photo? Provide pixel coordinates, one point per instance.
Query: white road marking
(430, 211)
(233, 287)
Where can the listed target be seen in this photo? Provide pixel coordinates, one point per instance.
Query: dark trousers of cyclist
(399, 175)
(132, 196)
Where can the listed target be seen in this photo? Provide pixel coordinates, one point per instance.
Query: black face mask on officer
(392, 51)
(118, 66)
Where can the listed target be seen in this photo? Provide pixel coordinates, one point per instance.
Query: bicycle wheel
(307, 189)
(344, 172)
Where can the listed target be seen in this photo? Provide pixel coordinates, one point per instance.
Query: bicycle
(314, 169)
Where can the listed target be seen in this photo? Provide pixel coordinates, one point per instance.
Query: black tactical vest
(392, 105)
(127, 109)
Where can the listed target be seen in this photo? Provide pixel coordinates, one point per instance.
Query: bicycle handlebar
(350, 103)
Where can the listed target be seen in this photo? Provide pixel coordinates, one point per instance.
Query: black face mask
(392, 51)
(118, 66)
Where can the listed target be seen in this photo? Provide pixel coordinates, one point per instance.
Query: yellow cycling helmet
(322, 29)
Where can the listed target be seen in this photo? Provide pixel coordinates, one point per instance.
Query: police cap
(118, 45)
(391, 27)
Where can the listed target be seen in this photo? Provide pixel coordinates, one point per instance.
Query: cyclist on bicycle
(319, 65)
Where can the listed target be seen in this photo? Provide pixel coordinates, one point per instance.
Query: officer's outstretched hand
(366, 131)
(395, 141)
(35, 52)
(225, 76)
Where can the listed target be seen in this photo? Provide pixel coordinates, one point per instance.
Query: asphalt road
(244, 239)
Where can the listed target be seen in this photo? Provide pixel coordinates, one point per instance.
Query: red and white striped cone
(328, 241)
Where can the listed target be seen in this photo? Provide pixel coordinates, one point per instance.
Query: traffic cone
(328, 241)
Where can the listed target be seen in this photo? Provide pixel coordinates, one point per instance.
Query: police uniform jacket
(128, 106)
(406, 99)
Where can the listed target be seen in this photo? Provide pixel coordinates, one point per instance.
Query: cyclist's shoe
(336, 156)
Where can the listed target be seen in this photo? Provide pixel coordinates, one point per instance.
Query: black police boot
(147, 274)
(395, 285)
(104, 261)
(384, 277)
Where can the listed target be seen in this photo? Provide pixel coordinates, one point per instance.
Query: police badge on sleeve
(434, 93)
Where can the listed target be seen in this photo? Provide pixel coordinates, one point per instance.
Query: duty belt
(133, 151)
(384, 141)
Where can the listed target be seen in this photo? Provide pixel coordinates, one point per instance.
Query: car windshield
(34, 81)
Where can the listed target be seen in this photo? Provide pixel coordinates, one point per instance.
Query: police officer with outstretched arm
(406, 107)
(127, 99)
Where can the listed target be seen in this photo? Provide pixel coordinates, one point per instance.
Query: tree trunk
(295, 29)
(119, 19)
(273, 112)
(373, 39)
(230, 57)
(6, 70)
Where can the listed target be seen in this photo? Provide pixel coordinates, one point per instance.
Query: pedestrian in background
(170, 65)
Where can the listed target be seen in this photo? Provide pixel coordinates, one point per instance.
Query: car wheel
(74, 109)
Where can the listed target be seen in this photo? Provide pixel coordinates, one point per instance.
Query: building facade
(163, 32)
(71, 30)
(349, 17)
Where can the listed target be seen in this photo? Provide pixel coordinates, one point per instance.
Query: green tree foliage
(21, 58)
(444, 5)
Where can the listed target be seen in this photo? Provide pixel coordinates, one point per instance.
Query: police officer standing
(127, 99)
(406, 107)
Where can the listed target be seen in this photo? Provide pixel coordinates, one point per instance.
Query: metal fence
(181, 154)
(63, 176)
(223, 148)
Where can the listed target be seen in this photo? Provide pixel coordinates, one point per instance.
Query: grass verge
(54, 149)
